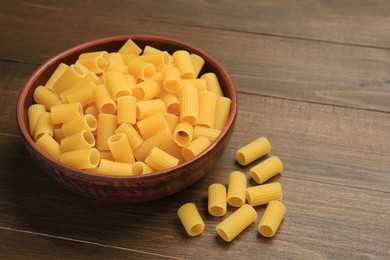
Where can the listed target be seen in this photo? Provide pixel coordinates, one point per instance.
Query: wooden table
(312, 76)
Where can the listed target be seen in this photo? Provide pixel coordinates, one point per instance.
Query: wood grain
(312, 76)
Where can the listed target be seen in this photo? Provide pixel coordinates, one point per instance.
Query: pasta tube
(66, 112)
(49, 146)
(149, 107)
(114, 168)
(69, 78)
(222, 112)
(272, 218)
(146, 90)
(106, 126)
(86, 122)
(266, 169)
(253, 151)
(126, 110)
(232, 226)
(213, 83)
(217, 200)
(120, 148)
(171, 102)
(141, 69)
(162, 139)
(56, 75)
(183, 134)
(171, 79)
(103, 100)
(129, 47)
(43, 125)
(207, 106)
(189, 104)
(236, 189)
(81, 159)
(133, 136)
(183, 62)
(197, 63)
(209, 133)
(78, 141)
(195, 147)
(141, 168)
(46, 97)
(117, 84)
(34, 111)
(152, 124)
(191, 219)
(160, 160)
(263, 194)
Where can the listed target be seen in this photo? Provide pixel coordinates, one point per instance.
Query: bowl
(133, 188)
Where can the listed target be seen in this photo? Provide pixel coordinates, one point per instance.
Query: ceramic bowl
(134, 188)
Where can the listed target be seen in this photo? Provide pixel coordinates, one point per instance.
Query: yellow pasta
(197, 63)
(34, 111)
(129, 47)
(126, 110)
(46, 97)
(81, 159)
(222, 112)
(92, 54)
(130, 80)
(200, 84)
(77, 141)
(195, 147)
(237, 222)
(158, 78)
(160, 160)
(253, 151)
(133, 136)
(191, 220)
(213, 83)
(171, 79)
(146, 90)
(43, 125)
(183, 62)
(172, 121)
(117, 84)
(112, 168)
(58, 135)
(86, 122)
(272, 218)
(66, 112)
(207, 106)
(106, 155)
(171, 102)
(84, 92)
(162, 139)
(114, 56)
(56, 75)
(71, 76)
(217, 200)
(183, 134)
(96, 64)
(149, 107)
(189, 104)
(152, 124)
(103, 100)
(266, 169)
(49, 146)
(106, 126)
(159, 59)
(141, 69)
(114, 65)
(209, 133)
(92, 110)
(149, 50)
(129, 57)
(140, 168)
(120, 148)
(236, 189)
(263, 194)
(175, 151)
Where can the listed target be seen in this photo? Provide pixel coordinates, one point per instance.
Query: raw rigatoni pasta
(139, 168)
(141, 69)
(34, 111)
(81, 159)
(117, 84)
(46, 97)
(78, 141)
(135, 139)
(171, 102)
(183, 62)
(191, 219)
(126, 110)
(236, 189)
(146, 90)
(217, 200)
(162, 139)
(266, 169)
(103, 100)
(189, 104)
(172, 121)
(97, 63)
(272, 218)
(160, 59)
(213, 83)
(253, 151)
(232, 226)
(197, 63)
(175, 151)
(209, 133)
(207, 106)
(107, 124)
(43, 125)
(171, 79)
(130, 47)
(49, 146)
(183, 134)
(69, 78)
(195, 147)
(87, 122)
(152, 124)
(56, 75)
(120, 148)
(200, 84)
(263, 194)
(160, 160)
(109, 167)
(66, 112)
(149, 107)
(84, 92)
(222, 112)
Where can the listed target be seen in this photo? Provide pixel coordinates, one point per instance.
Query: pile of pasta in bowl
(135, 111)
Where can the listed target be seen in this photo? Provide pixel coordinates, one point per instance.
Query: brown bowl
(133, 188)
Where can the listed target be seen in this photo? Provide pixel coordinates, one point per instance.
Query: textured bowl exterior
(133, 188)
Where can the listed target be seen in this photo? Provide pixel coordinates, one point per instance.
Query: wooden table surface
(312, 76)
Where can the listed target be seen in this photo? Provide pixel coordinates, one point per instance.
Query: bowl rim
(162, 39)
